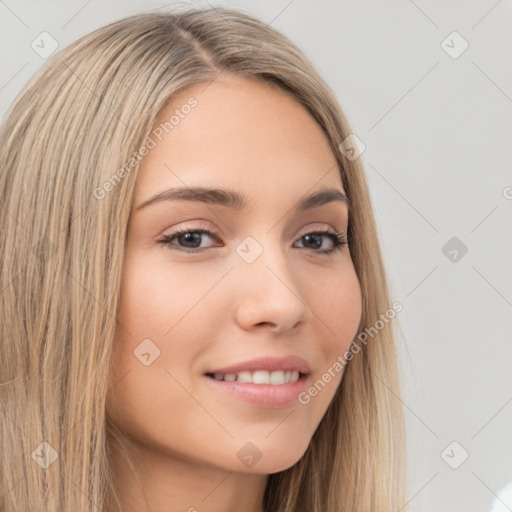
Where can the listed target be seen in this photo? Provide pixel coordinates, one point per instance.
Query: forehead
(239, 134)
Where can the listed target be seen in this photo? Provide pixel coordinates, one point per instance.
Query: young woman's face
(256, 300)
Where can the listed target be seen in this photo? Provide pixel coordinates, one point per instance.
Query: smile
(258, 377)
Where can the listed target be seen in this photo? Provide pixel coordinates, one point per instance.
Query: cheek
(177, 310)
(157, 296)
(337, 312)
(338, 309)
(151, 401)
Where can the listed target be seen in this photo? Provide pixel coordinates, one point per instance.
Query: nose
(269, 295)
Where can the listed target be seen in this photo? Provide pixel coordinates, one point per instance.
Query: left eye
(192, 237)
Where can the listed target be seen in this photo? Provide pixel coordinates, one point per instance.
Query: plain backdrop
(426, 86)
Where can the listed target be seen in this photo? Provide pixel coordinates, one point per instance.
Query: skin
(184, 437)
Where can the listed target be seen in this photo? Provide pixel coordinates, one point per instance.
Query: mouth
(268, 382)
(275, 378)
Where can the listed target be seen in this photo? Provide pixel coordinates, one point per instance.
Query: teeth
(244, 377)
(260, 377)
(276, 378)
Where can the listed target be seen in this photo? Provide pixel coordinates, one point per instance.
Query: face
(230, 312)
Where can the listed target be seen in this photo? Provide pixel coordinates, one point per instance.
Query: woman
(192, 286)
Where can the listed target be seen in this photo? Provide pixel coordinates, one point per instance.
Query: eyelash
(338, 239)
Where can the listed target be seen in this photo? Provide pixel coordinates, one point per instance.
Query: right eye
(187, 236)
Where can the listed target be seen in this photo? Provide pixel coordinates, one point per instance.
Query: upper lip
(267, 363)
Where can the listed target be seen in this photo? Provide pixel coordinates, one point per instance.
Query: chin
(275, 459)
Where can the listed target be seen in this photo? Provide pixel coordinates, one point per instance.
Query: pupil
(189, 237)
(317, 238)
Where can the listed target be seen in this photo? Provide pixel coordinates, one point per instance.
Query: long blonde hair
(78, 120)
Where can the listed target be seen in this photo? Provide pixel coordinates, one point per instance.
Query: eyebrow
(237, 201)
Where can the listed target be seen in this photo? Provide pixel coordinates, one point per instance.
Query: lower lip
(263, 395)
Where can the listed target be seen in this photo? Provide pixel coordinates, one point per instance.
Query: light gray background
(437, 132)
